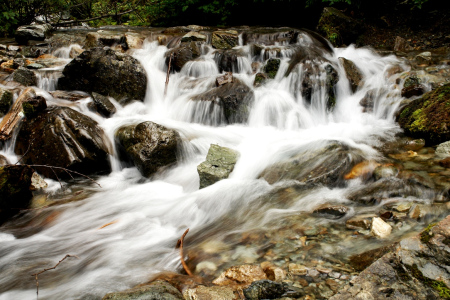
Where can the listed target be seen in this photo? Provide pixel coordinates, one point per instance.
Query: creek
(125, 231)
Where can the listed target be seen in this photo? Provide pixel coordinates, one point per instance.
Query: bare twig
(67, 171)
(45, 270)
(180, 245)
(168, 73)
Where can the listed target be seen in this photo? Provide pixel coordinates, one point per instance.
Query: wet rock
(273, 272)
(148, 145)
(213, 292)
(134, 40)
(106, 72)
(3, 161)
(182, 54)
(242, 275)
(324, 163)
(193, 36)
(264, 289)
(361, 261)
(260, 79)
(271, 36)
(423, 58)
(413, 90)
(418, 178)
(380, 229)
(385, 171)
(24, 76)
(64, 138)
(368, 102)
(156, 290)
(428, 117)
(360, 222)
(271, 67)
(69, 96)
(445, 163)
(339, 28)
(331, 211)
(176, 30)
(103, 105)
(414, 145)
(6, 99)
(352, 73)
(296, 269)
(227, 78)
(227, 60)
(234, 99)
(15, 192)
(219, 164)
(363, 170)
(37, 182)
(33, 106)
(225, 39)
(37, 32)
(443, 149)
(104, 38)
(401, 45)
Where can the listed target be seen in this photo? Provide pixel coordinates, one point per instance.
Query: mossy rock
(338, 28)
(271, 67)
(428, 117)
(6, 99)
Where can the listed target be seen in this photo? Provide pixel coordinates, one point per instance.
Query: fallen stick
(45, 270)
(180, 245)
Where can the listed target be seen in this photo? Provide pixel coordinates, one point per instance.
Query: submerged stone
(157, 290)
(219, 164)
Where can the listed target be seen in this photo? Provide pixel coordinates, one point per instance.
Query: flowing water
(125, 231)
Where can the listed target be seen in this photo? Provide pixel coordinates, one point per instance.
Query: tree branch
(92, 19)
(180, 244)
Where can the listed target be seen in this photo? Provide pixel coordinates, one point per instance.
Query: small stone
(241, 275)
(336, 275)
(296, 269)
(359, 222)
(332, 284)
(37, 182)
(313, 273)
(323, 270)
(380, 228)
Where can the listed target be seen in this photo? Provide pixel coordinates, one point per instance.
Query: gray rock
(106, 72)
(32, 32)
(219, 164)
(24, 76)
(226, 39)
(148, 145)
(443, 149)
(193, 36)
(6, 99)
(62, 137)
(157, 290)
(352, 72)
(103, 105)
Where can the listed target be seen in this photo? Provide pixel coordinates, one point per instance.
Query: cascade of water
(126, 230)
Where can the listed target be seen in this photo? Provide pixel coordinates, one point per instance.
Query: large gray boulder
(63, 138)
(148, 145)
(37, 32)
(326, 165)
(107, 72)
(219, 164)
(234, 98)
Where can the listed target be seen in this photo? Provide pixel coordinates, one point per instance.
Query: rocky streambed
(284, 156)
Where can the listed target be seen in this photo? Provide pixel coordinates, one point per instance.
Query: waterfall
(125, 232)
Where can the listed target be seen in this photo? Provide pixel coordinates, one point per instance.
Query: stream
(124, 230)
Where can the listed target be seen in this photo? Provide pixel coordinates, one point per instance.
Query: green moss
(28, 109)
(439, 286)
(425, 235)
(404, 113)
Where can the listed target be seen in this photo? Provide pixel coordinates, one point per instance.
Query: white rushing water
(125, 231)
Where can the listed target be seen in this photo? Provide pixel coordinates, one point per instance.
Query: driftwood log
(15, 114)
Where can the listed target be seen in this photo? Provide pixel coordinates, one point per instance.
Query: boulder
(182, 54)
(158, 289)
(148, 145)
(6, 99)
(339, 28)
(219, 164)
(428, 117)
(327, 163)
(443, 149)
(15, 192)
(234, 98)
(24, 76)
(103, 105)
(106, 72)
(33, 106)
(227, 60)
(224, 39)
(352, 73)
(37, 32)
(271, 67)
(61, 137)
(193, 36)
